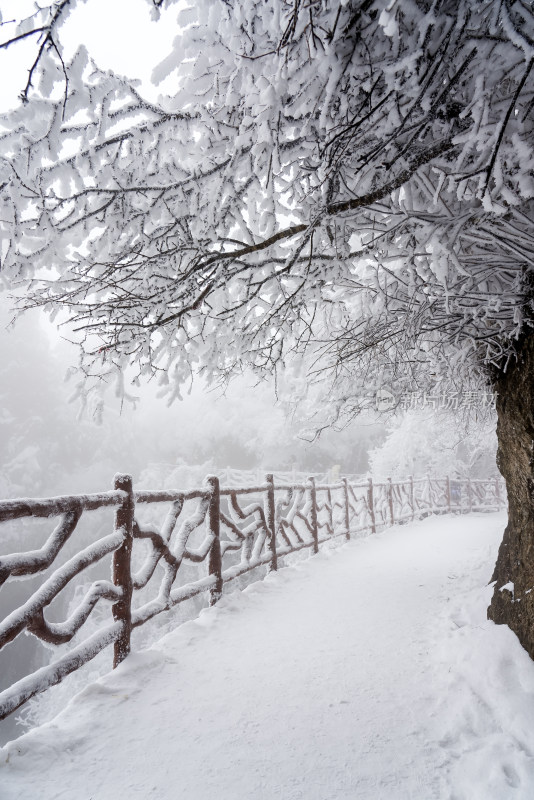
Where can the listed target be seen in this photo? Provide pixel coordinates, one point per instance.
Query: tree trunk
(514, 606)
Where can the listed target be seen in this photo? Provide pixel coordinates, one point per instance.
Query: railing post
(122, 570)
(412, 498)
(371, 504)
(330, 510)
(347, 508)
(214, 524)
(448, 493)
(390, 502)
(315, 524)
(270, 518)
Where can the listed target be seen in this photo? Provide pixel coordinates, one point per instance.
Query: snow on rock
(366, 672)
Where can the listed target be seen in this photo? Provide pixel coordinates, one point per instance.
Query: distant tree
(349, 179)
(425, 442)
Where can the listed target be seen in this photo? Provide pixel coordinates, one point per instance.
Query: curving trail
(368, 672)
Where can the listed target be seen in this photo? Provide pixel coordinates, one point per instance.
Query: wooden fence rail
(233, 529)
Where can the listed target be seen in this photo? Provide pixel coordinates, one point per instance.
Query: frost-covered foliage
(419, 443)
(348, 178)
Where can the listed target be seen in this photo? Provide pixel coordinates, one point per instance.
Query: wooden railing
(233, 529)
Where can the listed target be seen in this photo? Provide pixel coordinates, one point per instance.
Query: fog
(46, 448)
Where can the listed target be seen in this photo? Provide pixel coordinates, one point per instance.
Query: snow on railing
(232, 529)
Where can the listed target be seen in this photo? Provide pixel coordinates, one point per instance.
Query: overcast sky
(119, 35)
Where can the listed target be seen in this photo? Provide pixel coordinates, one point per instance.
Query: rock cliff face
(514, 605)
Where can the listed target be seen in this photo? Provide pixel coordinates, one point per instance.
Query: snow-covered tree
(435, 443)
(352, 179)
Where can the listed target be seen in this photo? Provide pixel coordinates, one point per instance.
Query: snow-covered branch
(350, 170)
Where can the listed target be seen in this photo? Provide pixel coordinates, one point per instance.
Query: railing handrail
(52, 506)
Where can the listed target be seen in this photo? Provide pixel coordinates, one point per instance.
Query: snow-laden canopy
(351, 178)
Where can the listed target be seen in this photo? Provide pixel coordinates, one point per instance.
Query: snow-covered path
(366, 672)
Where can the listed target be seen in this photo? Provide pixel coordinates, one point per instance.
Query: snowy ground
(365, 673)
